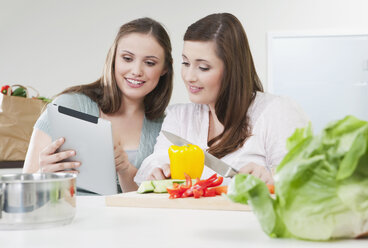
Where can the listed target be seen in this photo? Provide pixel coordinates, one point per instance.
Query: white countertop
(96, 225)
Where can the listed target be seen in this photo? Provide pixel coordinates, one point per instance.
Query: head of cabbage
(321, 185)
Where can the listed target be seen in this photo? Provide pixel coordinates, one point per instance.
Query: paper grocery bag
(17, 117)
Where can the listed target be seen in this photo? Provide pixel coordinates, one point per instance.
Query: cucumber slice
(159, 186)
(146, 187)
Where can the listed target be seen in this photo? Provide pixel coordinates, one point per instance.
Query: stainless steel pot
(37, 200)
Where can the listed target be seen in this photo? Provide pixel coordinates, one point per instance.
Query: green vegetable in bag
(20, 91)
(321, 185)
(44, 99)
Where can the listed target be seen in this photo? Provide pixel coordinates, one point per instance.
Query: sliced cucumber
(159, 186)
(146, 187)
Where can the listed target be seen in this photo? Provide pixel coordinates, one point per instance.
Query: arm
(39, 140)
(152, 167)
(258, 171)
(42, 156)
(280, 122)
(274, 127)
(126, 177)
(125, 170)
(41, 150)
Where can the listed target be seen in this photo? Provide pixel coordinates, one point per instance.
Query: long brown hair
(240, 81)
(105, 91)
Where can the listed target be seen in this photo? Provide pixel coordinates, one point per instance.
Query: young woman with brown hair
(229, 116)
(132, 94)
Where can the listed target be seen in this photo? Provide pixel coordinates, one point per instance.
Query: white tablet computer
(91, 138)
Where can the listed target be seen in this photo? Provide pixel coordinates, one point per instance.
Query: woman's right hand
(122, 163)
(50, 161)
(160, 173)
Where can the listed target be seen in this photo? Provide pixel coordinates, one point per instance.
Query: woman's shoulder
(79, 102)
(267, 101)
(154, 124)
(281, 103)
(274, 107)
(72, 98)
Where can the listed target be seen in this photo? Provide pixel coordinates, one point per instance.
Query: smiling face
(139, 64)
(202, 71)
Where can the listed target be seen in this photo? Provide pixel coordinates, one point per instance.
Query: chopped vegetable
(221, 190)
(321, 185)
(200, 188)
(158, 186)
(146, 187)
(187, 159)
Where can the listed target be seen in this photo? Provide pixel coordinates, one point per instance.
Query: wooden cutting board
(154, 200)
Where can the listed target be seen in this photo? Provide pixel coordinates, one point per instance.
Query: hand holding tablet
(91, 138)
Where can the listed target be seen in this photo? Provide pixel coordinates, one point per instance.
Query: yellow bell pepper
(187, 159)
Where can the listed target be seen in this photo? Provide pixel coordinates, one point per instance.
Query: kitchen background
(51, 45)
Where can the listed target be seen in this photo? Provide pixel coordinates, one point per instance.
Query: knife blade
(210, 161)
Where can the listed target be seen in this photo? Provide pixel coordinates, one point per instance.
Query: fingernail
(61, 139)
(72, 153)
(77, 164)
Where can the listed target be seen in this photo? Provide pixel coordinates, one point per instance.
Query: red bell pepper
(220, 190)
(188, 182)
(206, 182)
(5, 89)
(206, 188)
(176, 185)
(217, 182)
(174, 193)
(197, 193)
(178, 189)
(210, 192)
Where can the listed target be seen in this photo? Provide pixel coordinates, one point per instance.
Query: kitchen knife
(210, 161)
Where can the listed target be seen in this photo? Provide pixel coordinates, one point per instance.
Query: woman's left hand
(160, 173)
(258, 171)
(121, 159)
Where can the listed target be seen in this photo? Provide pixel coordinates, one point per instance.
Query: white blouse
(272, 118)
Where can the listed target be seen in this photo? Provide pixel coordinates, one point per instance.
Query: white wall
(51, 45)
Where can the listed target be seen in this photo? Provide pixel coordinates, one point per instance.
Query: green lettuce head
(321, 185)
